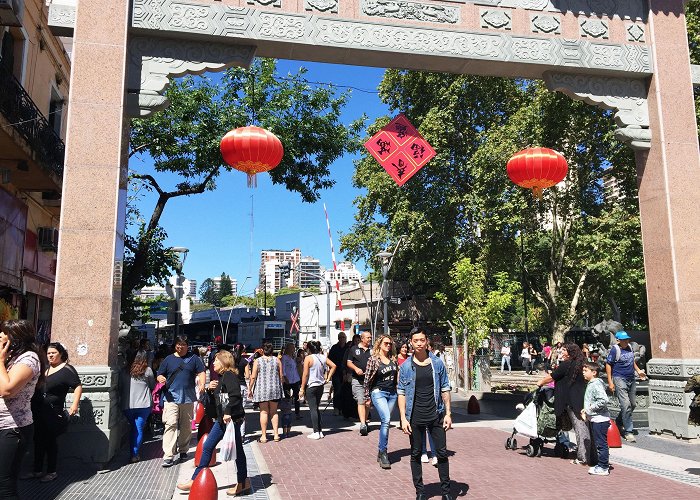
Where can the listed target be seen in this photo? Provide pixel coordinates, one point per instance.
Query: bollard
(204, 487)
(204, 427)
(473, 406)
(198, 453)
(614, 438)
(199, 412)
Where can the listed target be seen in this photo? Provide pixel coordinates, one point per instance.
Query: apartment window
(56, 111)
(13, 51)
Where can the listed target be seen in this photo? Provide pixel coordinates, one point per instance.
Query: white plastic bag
(228, 443)
(526, 423)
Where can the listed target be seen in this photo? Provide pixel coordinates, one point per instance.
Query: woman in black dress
(50, 417)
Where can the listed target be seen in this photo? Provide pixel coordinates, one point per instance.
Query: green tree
(207, 292)
(225, 287)
(183, 140)
(692, 16)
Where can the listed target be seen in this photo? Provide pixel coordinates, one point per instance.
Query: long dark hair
(61, 350)
(139, 364)
(576, 360)
(23, 339)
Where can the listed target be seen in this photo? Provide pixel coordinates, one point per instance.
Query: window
(13, 51)
(55, 111)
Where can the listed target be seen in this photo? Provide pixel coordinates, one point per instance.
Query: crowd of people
(364, 377)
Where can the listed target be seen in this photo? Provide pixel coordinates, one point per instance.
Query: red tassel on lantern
(204, 487)
(251, 150)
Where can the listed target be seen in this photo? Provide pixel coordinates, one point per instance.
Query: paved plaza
(343, 465)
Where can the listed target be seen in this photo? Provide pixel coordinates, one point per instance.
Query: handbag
(54, 418)
(228, 443)
(208, 400)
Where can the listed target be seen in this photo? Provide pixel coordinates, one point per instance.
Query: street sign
(400, 149)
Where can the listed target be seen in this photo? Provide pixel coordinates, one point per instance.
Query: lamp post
(182, 251)
(224, 333)
(387, 259)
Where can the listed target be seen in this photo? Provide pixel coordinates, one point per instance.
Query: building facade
(34, 76)
(270, 277)
(306, 275)
(346, 274)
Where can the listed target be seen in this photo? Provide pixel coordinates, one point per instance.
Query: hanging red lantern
(251, 150)
(537, 169)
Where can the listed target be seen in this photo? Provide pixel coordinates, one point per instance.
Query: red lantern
(537, 169)
(251, 150)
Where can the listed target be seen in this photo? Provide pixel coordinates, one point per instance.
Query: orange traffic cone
(198, 453)
(204, 486)
(473, 406)
(614, 438)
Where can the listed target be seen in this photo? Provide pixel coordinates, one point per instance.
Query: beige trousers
(177, 420)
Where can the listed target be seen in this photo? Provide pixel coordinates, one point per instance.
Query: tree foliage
(462, 208)
(184, 140)
(692, 16)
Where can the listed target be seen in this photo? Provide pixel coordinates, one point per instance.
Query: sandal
(276, 439)
(261, 440)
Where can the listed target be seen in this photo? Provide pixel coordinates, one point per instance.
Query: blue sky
(215, 226)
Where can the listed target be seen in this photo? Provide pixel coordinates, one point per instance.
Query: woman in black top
(229, 409)
(50, 417)
(569, 389)
(380, 387)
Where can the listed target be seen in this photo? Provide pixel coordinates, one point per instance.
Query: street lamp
(387, 259)
(182, 256)
(228, 321)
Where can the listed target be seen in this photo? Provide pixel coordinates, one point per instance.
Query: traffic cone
(473, 406)
(204, 486)
(198, 453)
(614, 438)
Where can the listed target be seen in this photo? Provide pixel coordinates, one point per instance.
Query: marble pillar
(90, 255)
(668, 176)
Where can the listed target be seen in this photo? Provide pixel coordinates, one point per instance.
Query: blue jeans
(216, 434)
(600, 440)
(137, 418)
(626, 394)
(384, 402)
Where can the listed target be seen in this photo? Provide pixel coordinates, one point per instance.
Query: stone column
(88, 281)
(669, 176)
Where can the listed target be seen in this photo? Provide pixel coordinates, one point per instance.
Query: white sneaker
(424, 458)
(315, 435)
(435, 461)
(321, 435)
(599, 471)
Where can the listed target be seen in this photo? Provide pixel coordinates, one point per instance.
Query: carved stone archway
(630, 56)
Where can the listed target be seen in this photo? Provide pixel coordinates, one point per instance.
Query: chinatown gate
(630, 56)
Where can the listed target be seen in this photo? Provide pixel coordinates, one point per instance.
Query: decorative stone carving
(499, 19)
(627, 96)
(543, 23)
(322, 5)
(61, 17)
(594, 28)
(670, 406)
(667, 398)
(623, 9)
(154, 60)
(635, 32)
(273, 3)
(401, 9)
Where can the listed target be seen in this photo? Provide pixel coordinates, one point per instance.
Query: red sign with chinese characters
(400, 149)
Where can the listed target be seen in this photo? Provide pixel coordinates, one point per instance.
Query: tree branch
(151, 180)
(199, 188)
(138, 148)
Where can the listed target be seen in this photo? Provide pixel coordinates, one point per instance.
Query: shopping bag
(228, 443)
(526, 423)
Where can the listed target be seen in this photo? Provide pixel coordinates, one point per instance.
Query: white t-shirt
(505, 351)
(525, 354)
(289, 369)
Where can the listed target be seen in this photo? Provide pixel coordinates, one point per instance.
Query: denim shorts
(358, 391)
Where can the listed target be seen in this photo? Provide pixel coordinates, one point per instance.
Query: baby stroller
(539, 423)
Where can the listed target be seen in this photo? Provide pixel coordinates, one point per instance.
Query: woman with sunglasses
(380, 389)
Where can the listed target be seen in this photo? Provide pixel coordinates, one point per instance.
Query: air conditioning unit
(11, 12)
(48, 239)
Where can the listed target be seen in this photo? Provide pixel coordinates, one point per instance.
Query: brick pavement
(480, 466)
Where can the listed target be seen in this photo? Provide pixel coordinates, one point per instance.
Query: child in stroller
(539, 423)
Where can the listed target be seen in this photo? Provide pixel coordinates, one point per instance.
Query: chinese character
(418, 151)
(400, 130)
(384, 147)
(400, 168)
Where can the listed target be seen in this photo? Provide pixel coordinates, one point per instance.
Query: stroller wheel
(514, 444)
(539, 451)
(564, 452)
(530, 450)
(508, 443)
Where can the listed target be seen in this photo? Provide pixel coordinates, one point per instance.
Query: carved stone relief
(668, 398)
(273, 3)
(498, 19)
(594, 28)
(322, 5)
(401, 9)
(154, 60)
(623, 9)
(635, 32)
(543, 23)
(626, 96)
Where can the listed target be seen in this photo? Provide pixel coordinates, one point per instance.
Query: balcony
(46, 147)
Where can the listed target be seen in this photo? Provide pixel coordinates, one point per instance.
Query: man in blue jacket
(424, 404)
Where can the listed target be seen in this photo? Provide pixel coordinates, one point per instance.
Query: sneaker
(598, 471)
(384, 460)
(49, 477)
(576, 461)
(424, 458)
(434, 461)
(364, 430)
(168, 462)
(321, 435)
(629, 437)
(183, 457)
(315, 435)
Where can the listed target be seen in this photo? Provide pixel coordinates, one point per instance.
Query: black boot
(379, 457)
(384, 460)
(421, 496)
(446, 497)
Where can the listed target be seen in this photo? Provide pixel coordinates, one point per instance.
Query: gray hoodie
(595, 401)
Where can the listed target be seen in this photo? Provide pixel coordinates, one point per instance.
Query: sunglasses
(387, 343)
